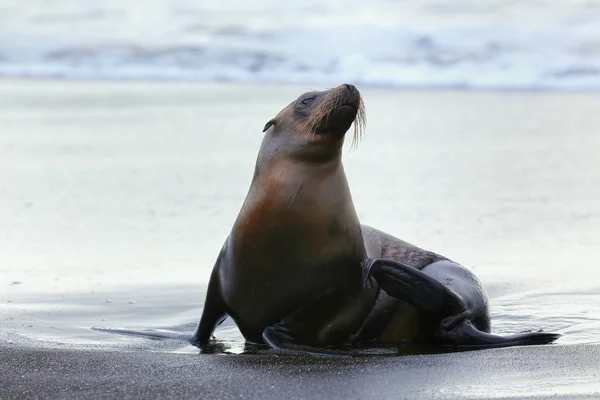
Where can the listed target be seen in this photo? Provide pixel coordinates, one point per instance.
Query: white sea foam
(504, 44)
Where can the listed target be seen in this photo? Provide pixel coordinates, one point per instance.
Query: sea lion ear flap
(269, 124)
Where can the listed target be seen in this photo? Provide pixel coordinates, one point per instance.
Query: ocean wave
(429, 44)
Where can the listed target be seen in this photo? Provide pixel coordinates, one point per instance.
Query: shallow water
(116, 198)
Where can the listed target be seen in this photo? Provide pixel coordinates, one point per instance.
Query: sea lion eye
(308, 101)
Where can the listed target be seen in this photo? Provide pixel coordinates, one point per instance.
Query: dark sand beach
(115, 199)
(557, 372)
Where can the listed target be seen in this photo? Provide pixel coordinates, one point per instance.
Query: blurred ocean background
(479, 44)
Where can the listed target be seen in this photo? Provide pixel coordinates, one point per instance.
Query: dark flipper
(155, 334)
(298, 332)
(213, 314)
(431, 296)
(466, 337)
(413, 286)
(280, 339)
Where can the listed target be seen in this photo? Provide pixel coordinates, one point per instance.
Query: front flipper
(213, 314)
(281, 340)
(431, 296)
(300, 331)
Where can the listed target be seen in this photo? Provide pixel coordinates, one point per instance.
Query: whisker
(360, 123)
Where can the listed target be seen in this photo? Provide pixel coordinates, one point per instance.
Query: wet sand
(116, 198)
(552, 372)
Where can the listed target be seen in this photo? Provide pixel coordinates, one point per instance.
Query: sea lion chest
(294, 242)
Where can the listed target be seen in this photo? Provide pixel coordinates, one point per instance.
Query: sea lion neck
(290, 192)
(278, 146)
(284, 171)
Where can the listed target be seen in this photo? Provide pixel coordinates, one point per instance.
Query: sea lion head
(313, 127)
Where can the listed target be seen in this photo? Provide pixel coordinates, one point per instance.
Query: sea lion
(299, 269)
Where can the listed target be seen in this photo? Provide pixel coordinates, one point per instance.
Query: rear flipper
(467, 337)
(428, 294)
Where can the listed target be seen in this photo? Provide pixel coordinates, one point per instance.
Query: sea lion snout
(345, 94)
(337, 109)
(350, 87)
